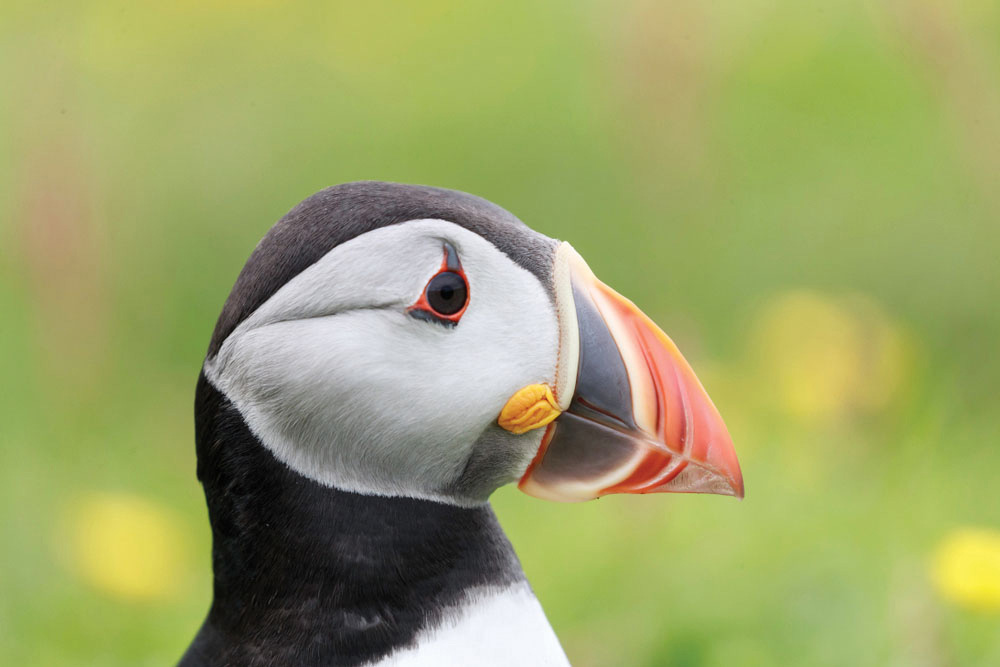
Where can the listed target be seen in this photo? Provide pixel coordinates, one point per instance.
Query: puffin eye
(446, 293)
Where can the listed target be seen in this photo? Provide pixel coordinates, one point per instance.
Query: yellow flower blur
(966, 568)
(126, 546)
(823, 357)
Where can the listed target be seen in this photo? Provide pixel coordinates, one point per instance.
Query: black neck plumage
(306, 574)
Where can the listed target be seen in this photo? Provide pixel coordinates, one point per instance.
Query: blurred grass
(714, 162)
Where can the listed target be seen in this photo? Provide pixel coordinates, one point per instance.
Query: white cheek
(338, 400)
(375, 401)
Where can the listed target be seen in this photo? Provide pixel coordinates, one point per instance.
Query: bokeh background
(804, 194)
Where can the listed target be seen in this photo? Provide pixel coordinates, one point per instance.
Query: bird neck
(300, 566)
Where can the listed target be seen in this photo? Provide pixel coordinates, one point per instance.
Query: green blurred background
(804, 194)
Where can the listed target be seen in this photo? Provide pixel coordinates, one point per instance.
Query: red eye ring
(446, 294)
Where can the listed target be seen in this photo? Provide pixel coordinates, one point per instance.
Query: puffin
(388, 357)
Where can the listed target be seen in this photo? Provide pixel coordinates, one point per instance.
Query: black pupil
(446, 293)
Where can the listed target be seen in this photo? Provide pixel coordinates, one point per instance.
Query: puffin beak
(636, 420)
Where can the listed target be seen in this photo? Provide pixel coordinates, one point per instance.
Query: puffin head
(399, 340)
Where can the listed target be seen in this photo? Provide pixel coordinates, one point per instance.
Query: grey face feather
(342, 212)
(333, 376)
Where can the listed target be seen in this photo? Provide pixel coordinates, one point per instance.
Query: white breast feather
(495, 628)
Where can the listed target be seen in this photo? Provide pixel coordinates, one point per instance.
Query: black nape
(310, 575)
